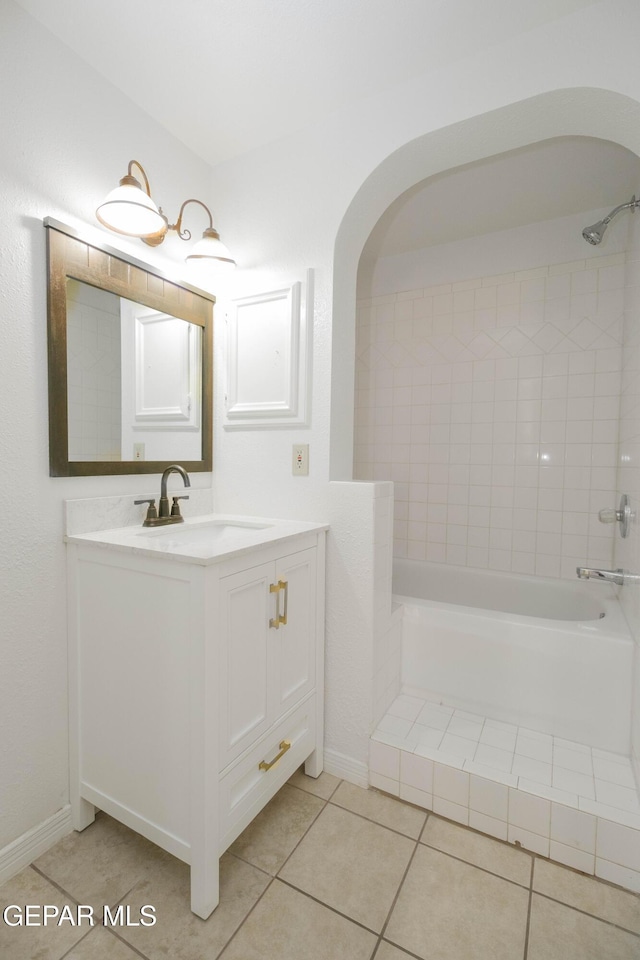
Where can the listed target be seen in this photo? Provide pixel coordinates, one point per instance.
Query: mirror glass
(130, 356)
(133, 380)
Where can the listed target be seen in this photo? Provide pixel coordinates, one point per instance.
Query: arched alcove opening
(583, 112)
(564, 117)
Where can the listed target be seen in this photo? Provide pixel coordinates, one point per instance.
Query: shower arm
(633, 204)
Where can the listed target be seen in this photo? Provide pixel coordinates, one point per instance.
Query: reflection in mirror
(133, 377)
(130, 363)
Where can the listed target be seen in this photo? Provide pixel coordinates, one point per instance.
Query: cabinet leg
(313, 764)
(205, 887)
(83, 814)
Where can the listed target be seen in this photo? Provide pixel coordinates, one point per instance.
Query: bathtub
(548, 655)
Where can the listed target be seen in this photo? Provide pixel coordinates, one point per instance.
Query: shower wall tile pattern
(493, 405)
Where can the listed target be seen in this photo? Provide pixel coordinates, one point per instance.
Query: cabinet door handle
(284, 746)
(280, 618)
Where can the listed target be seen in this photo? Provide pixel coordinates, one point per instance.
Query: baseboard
(346, 768)
(34, 843)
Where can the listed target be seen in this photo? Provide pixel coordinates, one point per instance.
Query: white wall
(67, 138)
(492, 400)
(308, 200)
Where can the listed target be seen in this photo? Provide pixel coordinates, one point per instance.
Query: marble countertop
(206, 539)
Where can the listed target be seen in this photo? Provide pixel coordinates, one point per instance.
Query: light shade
(130, 211)
(210, 250)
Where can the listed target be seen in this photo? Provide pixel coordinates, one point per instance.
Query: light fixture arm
(177, 226)
(129, 178)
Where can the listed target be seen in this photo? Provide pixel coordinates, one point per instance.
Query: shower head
(596, 231)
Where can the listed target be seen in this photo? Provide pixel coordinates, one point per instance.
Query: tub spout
(618, 576)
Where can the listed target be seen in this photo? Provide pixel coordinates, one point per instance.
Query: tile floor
(327, 871)
(571, 773)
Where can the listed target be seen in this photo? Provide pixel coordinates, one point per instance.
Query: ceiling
(226, 76)
(554, 178)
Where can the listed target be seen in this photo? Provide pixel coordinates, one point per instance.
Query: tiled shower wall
(627, 551)
(493, 405)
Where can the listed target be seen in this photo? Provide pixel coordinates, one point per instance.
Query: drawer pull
(280, 618)
(284, 746)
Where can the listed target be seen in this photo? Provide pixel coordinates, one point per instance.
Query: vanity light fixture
(129, 210)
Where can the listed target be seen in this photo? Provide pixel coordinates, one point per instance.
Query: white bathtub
(550, 656)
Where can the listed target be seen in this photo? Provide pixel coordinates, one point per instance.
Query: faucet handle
(175, 507)
(152, 513)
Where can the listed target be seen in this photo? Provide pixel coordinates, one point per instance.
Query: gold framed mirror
(130, 363)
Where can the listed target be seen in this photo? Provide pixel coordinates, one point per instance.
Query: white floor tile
(490, 773)
(501, 725)
(613, 772)
(532, 769)
(611, 757)
(396, 725)
(494, 757)
(578, 783)
(534, 735)
(579, 762)
(472, 717)
(495, 737)
(462, 727)
(534, 749)
(571, 745)
(550, 793)
(431, 716)
(617, 796)
(458, 746)
(427, 736)
(406, 707)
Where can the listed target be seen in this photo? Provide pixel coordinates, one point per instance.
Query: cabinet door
(293, 643)
(245, 662)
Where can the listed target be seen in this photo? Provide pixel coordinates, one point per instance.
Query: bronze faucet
(164, 515)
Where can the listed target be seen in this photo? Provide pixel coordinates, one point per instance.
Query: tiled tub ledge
(562, 800)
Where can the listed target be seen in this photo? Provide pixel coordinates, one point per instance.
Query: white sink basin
(206, 539)
(199, 535)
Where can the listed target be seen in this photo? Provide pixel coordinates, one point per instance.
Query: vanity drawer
(250, 783)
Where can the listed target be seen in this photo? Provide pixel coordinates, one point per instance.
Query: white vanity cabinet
(192, 700)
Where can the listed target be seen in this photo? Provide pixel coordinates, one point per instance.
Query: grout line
(237, 856)
(529, 905)
(398, 833)
(397, 894)
(468, 863)
(126, 943)
(295, 847)
(54, 883)
(585, 913)
(243, 921)
(310, 793)
(320, 811)
(404, 950)
(77, 943)
(327, 906)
